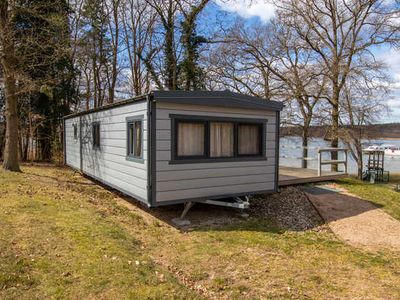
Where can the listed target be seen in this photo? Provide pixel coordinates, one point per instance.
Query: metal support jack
(238, 203)
(188, 206)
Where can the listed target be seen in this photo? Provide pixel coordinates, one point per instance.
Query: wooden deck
(293, 176)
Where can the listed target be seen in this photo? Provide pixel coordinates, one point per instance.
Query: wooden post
(345, 158)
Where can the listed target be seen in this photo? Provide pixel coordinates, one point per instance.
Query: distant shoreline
(370, 139)
(390, 131)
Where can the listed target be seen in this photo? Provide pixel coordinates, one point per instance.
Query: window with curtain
(221, 139)
(249, 139)
(96, 135)
(75, 126)
(191, 139)
(212, 139)
(135, 138)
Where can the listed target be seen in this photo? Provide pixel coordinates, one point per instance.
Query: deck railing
(322, 162)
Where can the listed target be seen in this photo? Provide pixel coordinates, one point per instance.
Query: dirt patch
(356, 221)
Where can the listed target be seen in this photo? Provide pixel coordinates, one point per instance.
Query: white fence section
(322, 162)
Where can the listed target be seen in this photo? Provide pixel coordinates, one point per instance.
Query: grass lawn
(382, 194)
(64, 237)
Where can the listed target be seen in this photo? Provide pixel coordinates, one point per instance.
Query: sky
(263, 11)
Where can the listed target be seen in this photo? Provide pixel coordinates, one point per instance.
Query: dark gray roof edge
(224, 99)
(108, 106)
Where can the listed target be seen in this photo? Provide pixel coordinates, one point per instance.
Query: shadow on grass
(330, 205)
(333, 205)
(57, 179)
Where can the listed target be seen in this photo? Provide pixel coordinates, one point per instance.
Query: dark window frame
(130, 156)
(75, 129)
(261, 144)
(175, 119)
(206, 130)
(96, 144)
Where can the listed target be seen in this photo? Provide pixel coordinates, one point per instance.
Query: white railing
(322, 162)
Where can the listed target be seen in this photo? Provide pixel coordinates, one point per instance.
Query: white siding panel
(109, 164)
(72, 154)
(199, 180)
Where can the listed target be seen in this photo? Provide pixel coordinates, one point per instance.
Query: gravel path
(290, 209)
(356, 221)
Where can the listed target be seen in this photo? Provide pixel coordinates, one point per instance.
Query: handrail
(332, 149)
(332, 162)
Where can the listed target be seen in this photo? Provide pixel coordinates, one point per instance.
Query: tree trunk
(360, 161)
(170, 59)
(304, 162)
(11, 162)
(335, 131)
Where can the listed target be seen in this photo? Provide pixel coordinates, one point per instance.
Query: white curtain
(138, 140)
(249, 139)
(191, 139)
(221, 139)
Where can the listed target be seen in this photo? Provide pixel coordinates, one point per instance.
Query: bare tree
(112, 8)
(138, 22)
(341, 32)
(363, 102)
(270, 61)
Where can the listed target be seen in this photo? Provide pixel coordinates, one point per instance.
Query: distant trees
(37, 73)
(316, 56)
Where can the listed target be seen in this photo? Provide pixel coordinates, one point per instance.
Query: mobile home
(176, 146)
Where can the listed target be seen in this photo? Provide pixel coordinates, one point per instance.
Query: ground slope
(64, 237)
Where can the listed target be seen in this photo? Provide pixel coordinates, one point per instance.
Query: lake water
(291, 151)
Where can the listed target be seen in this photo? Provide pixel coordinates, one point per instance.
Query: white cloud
(245, 8)
(392, 59)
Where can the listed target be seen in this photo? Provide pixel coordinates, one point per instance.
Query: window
(191, 139)
(249, 142)
(75, 126)
(135, 138)
(208, 139)
(96, 135)
(221, 139)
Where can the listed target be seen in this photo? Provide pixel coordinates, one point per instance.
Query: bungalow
(172, 147)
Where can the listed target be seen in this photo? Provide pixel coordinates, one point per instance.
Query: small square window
(96, 135)
(135, 139)
(191, 139)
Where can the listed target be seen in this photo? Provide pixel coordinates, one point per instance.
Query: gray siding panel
(198, 180)
(72, 153)
(109, 164)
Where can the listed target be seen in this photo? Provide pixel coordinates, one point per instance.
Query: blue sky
(263, 11)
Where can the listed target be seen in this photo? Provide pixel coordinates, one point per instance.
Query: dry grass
(64, 237)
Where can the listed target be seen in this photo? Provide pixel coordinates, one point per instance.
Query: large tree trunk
(11, 162)
(304, 162)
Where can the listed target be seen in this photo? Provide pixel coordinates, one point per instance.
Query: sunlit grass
(65, 237)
